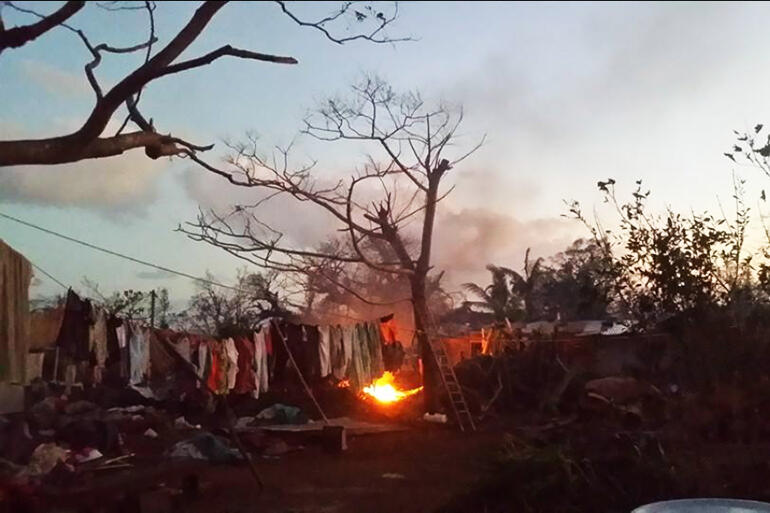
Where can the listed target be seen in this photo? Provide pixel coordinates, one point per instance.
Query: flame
(345, 383)
(383, 391)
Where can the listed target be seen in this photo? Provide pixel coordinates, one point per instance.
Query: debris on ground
(436, 418)
(204, 446)
(283, 414)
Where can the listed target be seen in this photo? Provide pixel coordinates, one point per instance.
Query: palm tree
(497, 297)
(526, 286)
(510, 289)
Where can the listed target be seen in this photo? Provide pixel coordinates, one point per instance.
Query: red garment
(244, 380)
(269, 335)
(388, 330)
(217, 374)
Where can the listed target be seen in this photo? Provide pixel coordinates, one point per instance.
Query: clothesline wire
(65, 287)
(120, 255)
(148, 264)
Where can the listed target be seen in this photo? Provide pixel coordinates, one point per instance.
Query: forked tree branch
(19, 36)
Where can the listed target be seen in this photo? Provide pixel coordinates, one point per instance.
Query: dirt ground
(417, 470)
(436, 464)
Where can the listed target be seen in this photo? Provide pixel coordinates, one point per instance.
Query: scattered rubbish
(127, 409)
(88, 454)
(44, 458)
(44, 413)
(151, 433)
(437, 418)
(144, 392)
(204, 446)
(80, 407)
(243, 423)
(393, 475)
(181, 423)
(282, 414)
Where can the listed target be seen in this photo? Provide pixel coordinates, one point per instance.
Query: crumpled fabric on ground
(204, 446)
(44, 458)
(283, 414)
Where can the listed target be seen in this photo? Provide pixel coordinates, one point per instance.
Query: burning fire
(384, 392)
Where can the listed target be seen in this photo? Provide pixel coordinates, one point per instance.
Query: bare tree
(89, 141)
(390, 200)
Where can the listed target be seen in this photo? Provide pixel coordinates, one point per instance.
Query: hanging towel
(139, 354)
(245, 380)
(337, 353)
(324, 350)
(231, 352)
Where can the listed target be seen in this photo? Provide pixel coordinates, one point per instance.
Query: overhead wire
(120, 255)
(146, 263)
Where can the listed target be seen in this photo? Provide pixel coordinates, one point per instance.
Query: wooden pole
(152, 308)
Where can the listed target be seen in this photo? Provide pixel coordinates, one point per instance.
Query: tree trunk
(430, 376)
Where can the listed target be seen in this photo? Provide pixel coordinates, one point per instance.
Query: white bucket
(705, 506)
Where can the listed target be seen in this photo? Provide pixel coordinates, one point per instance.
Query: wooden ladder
(452, 386)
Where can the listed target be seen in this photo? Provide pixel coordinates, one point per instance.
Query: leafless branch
(364, 14)
(19, 36)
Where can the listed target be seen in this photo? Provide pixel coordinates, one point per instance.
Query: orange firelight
(383, 390)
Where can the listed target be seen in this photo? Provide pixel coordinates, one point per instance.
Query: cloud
(304, 224)
(156, 275)
(54, 80)
(123, 183)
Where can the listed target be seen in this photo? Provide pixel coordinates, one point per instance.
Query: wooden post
(152, 308)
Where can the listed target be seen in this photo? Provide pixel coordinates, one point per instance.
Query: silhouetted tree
(89, 141)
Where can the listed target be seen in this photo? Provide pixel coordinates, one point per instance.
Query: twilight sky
(567, 94)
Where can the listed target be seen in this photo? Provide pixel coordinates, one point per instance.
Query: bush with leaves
(663, 265)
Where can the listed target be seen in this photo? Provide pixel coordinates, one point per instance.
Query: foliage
(577, 284)
(663, 265)
(223, 312)
(512, 295)
(132, 304)
(574, 285)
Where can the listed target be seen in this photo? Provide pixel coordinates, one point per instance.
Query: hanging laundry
(35, 365)
(362, 341)
(337, 353)
(182, 347)
(231, 353)
(356, 372)
(139, 354)
(73, 337)
(217, 381)
(204, 361)
(324, 350)
(246, 377)
(123, 334)
(261, 374)
(44, 327)
(15, 277)
(311, 367)
(348, 334)
(97, 337)
(375, 349)
(389, 329)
